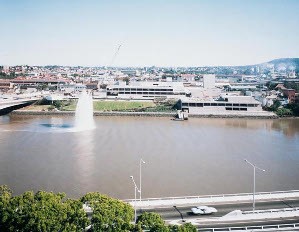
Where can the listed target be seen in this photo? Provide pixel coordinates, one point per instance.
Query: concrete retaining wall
(265, 115)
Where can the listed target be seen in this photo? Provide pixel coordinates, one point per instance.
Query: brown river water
(194, 157)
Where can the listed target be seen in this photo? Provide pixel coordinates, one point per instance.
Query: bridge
(7, 106)
(213, 199)
(275, 211)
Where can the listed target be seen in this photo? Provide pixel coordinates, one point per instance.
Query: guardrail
(271, 211)
(254, 228)
(214, 196)
(18, 101)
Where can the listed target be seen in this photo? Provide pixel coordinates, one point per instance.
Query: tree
(275, 106)
(284, 112)
(127, 80)
(109, 215)
(154, 223)
(159, 228)
(188, 227)
(5, 195)
(148, 221)
(294, 107)
(43, 211)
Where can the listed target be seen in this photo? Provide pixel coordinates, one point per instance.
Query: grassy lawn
(130, 106)
(121, 105)
(71, 107)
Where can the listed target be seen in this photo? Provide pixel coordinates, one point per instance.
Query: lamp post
(179, 213)
(136, 189)
(140, 164)
(254, 168)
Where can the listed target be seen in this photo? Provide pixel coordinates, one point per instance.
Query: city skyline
(153, 33)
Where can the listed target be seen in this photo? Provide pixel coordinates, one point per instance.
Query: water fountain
(84, 112)
(83, 119)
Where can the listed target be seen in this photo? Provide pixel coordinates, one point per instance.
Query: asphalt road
(223, 209)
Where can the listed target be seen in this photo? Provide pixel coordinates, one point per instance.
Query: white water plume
(84, 112)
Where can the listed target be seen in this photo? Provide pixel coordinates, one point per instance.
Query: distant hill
(283, 64)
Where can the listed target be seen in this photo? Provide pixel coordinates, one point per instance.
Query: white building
(209, 81)
(148, 90)
(222, 105)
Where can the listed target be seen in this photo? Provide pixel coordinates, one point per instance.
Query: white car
(203, 210)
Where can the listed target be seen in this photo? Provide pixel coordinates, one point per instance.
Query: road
(169, 214)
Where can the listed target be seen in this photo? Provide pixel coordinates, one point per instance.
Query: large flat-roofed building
(148, 90)
(209, 81)
(221, 105)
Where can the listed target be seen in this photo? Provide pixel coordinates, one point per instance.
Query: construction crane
(114, 56)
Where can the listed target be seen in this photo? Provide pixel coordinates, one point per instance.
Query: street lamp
(136, 189)
(179, 213)
(140, 164)
(254, 167)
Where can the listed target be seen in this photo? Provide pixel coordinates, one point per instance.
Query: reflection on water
(289, 127)
(84, 157)
(200, 156)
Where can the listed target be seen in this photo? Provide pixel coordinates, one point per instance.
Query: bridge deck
(10, 103)
(213, 199)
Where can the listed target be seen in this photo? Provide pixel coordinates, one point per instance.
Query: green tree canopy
(43, 211)
(149, 220)
(48, 211)
(109, 215)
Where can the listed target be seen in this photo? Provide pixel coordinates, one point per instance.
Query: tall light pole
(254, 168)
(140, 164)
(136, 189)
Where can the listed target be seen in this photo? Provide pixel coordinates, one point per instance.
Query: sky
(150, 32)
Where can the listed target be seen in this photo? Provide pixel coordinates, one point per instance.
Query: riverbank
(264, 115)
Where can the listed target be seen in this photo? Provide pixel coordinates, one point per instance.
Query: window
(207, 104)
(228, 104)
(236, 104)
(228, 108)
(243, 109)
(244, 105)
(199, 104)
(213, 104)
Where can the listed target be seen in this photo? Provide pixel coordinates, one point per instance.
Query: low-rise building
(220, 105)
(148, 90)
